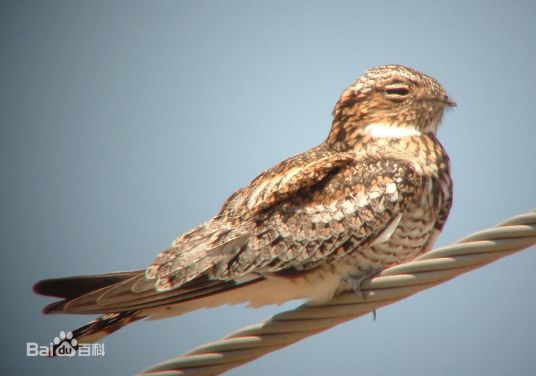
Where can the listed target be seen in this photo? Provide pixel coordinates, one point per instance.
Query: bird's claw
(355, 282)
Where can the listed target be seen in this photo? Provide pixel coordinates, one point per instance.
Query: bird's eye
(397, 90)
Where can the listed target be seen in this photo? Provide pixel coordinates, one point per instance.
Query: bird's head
(388, 101)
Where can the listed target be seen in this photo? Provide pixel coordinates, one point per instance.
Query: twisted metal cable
(393, 284)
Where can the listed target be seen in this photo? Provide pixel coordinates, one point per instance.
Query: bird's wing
(217, 243)
(308, 210)
(133, 293)
(333, 206)
(351, 207)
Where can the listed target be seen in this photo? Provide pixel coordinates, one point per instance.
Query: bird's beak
(449, 102)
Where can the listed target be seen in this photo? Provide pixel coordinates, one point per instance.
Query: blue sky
(124, 124)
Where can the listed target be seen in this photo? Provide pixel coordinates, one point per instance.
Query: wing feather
(297, 218)
(316, 215)
(351, 209)
(123, 296)
(212, 247)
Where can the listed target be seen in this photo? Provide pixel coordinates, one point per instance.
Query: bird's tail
(124, 297)
(71, 288)
(104, 325)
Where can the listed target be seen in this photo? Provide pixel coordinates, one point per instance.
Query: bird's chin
(388, 130)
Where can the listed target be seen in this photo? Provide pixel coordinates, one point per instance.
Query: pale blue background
(124, 124)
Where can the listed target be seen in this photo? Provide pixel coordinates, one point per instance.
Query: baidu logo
(65, 345)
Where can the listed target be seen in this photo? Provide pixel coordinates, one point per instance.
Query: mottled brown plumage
(376, 193)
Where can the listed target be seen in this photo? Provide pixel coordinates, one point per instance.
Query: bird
(376, 193)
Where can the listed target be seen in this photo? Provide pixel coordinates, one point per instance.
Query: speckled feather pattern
(376, 193)
(328, 203)
(335, 205)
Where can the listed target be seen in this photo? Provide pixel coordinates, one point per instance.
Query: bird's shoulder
(285, 180)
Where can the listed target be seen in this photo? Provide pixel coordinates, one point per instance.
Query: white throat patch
(390, 131)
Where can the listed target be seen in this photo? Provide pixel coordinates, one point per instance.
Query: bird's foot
(355, 282)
